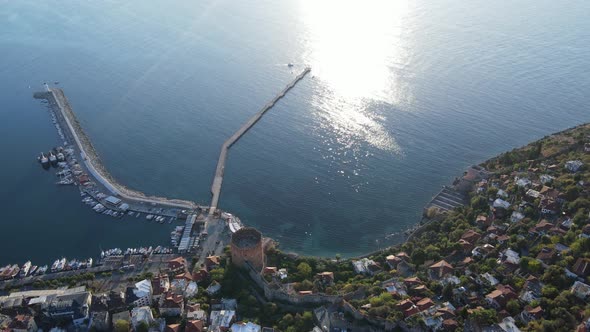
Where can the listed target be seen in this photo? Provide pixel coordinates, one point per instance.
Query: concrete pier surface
(218, 179)
(91, 161)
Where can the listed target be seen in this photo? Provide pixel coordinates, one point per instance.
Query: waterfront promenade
(219, 170)
(91, 161)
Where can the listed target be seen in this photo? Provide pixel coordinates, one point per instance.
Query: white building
(500, 203)
(245, 327)
(221, 318)
(143, 291)
(573, 165)
(141, 314)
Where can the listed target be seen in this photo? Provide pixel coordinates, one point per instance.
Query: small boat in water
(43, 160)
(52, 159)
(24, 270)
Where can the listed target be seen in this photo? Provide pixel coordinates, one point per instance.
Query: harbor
(77, 163)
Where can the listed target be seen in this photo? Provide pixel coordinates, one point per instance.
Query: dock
(218, 179)
(91, 162)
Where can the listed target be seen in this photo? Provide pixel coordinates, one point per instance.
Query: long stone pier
(92, 163)
(218, 179)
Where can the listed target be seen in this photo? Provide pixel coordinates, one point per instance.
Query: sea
(403, 96)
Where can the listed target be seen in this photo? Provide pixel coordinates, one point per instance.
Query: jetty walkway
(91, 161)
(218, 179)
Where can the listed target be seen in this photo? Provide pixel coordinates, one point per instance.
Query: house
(194, 312)
(531, 195)
(395, 289)
(392, 261)
(522, 182)
(501, 204)
(582, 267)
(530, 314)
(573, 165)
(466, 247)
(549, 206)
(365, 266)
(502, 194)
(171, 304)
(580, 289)
(74, 305)
(424, 304)
(489, 279)
(326, 278)
(412, 282)
(269, 270)
(143, 292)
(194, 325)
(212, 262)
(471, 236)
(509, 258)
(160, 285)
(141, 314)
(177, 265)
(440, 269)
(221, 319)
(541, 228)
(508, 325)
(245, 327)
(546, 255)
(172, 328)
(516, 216)
(503, 239)
(500, 296)
(213, 288)
(546, 178)
(450, 325)
(566, 224)
(283, 274)
(201, 275)
(22, 323)
(483, 221)
(552, 194)
(561, 248)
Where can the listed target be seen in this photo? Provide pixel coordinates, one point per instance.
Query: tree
(513, 307)
(142, 327)
(304, 270)
(479, 203)
(484, 316)
(121, 326)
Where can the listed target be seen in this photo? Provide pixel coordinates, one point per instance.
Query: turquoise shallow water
(403, 96)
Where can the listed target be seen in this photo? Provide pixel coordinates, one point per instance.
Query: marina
(77, 163)
(108, 257)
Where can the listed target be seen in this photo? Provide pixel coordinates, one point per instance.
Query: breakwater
(219, 170)
(90, 160)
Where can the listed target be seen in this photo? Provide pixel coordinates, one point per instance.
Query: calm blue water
(403, 96)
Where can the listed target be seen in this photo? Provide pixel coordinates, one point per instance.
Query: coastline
(92, 161)
(91, 158)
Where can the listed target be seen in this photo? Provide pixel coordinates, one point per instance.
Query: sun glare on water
(353, 48)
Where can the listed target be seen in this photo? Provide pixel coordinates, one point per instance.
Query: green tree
(513, 307)
(304, 270)
(142, 327)
(121, 326)
(484, 316)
